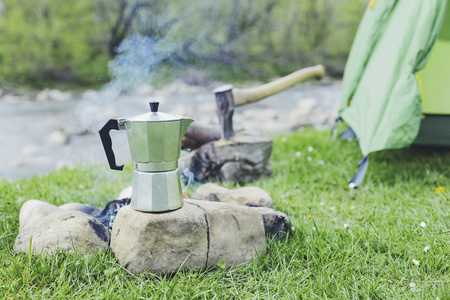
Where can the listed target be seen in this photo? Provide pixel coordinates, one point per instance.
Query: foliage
(72, 40)
(344, 245)
(44, 40)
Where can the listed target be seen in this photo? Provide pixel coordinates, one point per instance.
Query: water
(32, 140)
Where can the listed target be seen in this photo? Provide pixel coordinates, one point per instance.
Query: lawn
(387, 240)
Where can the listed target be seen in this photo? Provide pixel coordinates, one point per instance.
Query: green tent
(386, 99)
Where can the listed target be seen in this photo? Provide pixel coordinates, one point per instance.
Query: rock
(84, 208)
(58, 137)
(10, 98)
(29, 150)
(54, 95)
(276, 224)
(126, 192)
(301, 115)
(57, 95)
(197, 236)
(89, 94)
(63, 230)
(43, 95)
(243, 158)
(36, 210)
(248, 196)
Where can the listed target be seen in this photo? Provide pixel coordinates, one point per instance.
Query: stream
(40, 137)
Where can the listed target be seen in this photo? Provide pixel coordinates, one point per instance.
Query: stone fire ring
(228, 227)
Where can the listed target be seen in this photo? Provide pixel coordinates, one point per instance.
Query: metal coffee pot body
(155, 142)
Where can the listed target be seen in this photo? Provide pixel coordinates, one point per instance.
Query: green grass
(370, 259)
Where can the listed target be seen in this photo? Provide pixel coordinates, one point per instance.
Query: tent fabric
(435, 76)
(381, 99)
(434, 131)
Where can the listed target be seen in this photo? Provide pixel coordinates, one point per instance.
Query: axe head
(225, 110)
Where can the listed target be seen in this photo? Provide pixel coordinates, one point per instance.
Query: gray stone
(58, 137)
(84, 208)
(126, 193)
(243, 158)
(248, 196)
(29, 150)
(63, 230)
(236, 233)
(197, 236)
(36, 210)
(276, 224)
(43, 95)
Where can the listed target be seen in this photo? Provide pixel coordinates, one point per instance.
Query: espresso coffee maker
(155, 143)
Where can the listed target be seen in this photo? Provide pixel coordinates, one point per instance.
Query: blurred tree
(73, 40)
(45, 40)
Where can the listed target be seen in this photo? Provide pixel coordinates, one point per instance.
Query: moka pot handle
(107, 143)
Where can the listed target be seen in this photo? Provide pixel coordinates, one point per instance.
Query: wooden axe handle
(250, 95)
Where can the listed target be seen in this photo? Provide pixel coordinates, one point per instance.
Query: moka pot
(155, 143)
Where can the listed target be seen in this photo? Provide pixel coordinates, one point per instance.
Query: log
(199, 134)
(243, 158)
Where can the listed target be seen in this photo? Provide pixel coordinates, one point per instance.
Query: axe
(228, 97)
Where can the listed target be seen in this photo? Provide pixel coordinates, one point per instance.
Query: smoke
(132, 67)
(170, 30)
(187, 179)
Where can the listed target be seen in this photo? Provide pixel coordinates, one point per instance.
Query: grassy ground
(344, 245)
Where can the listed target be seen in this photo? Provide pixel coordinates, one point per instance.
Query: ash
(108, 214)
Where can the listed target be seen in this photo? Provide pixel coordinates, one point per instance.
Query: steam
(139, 56)
(187, 179)
(133, 67)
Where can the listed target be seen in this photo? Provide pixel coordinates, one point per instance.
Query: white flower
(352, 207)
(412, 285)
(310, 149)
(366, 244)
(423, 224)
(322, 203)
(332, 208)
(416, 262)
(346, 225)
(427, 248)
(309, 158)
(298, 153)
(283, 139)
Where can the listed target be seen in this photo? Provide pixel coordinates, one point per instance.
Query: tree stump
(242, 158)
